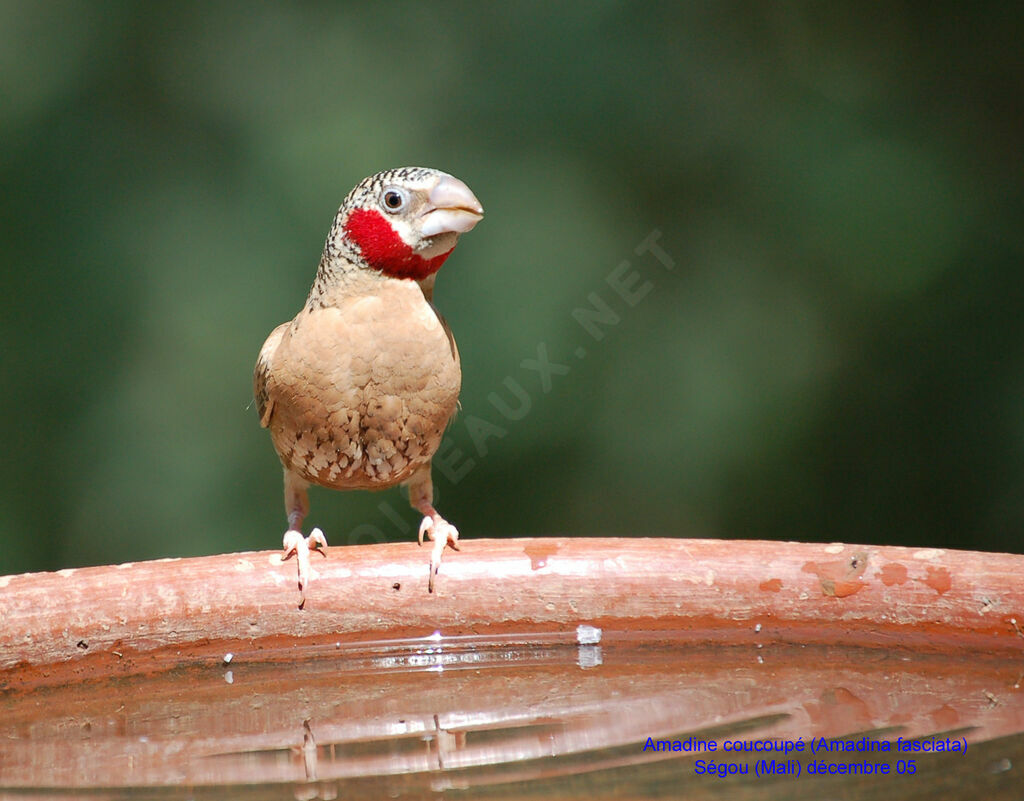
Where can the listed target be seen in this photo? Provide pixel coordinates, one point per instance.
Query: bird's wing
(260, 376)
(455, 355)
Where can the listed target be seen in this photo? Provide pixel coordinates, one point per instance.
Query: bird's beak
(451, 208)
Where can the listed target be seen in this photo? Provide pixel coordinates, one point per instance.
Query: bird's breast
(364, 389)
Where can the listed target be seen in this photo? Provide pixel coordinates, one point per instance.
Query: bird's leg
(296, 502)
(421, 496)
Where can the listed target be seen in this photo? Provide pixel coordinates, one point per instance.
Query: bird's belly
(366, 417)
(363, 446)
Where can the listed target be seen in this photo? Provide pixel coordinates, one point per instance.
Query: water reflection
(535, 715)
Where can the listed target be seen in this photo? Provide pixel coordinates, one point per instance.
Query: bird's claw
(298, 546)
(317, 542)
(442, 533)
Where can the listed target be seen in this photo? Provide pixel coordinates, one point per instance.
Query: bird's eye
(394, 199)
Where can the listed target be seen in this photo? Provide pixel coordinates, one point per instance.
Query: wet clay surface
(201, 679)
(149, 615)
(430, 714)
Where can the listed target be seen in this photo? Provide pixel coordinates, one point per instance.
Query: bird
(357, 390)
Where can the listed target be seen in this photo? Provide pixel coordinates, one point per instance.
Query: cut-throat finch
(358, 389)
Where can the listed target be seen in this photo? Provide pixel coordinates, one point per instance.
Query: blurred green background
(838, 353)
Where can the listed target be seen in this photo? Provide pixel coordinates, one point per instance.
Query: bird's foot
(298, 546)
(442, 533)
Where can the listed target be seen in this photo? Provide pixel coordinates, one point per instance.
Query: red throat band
(385, 250)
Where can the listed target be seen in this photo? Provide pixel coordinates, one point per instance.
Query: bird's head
(404, 222)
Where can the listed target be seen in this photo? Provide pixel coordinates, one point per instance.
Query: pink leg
(296, 503)
(443, 533)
